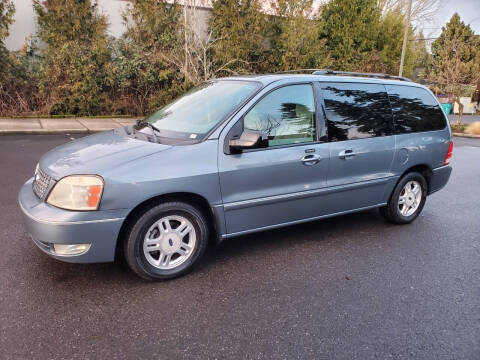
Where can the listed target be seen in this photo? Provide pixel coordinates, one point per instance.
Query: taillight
(449, 154)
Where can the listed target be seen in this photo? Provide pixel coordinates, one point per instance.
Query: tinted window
(356, 111)
(286, 115)
(414, 109)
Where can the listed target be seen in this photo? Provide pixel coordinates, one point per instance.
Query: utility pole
(405, 37)
(185, 39)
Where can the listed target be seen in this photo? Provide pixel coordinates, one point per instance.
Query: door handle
(311, 159)
(346, 154)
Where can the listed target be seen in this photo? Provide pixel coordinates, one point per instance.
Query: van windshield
(195, 113)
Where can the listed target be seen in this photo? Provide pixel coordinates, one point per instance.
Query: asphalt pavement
(351, 287)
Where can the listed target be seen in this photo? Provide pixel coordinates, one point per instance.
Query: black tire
(133, 245)
(391, 212)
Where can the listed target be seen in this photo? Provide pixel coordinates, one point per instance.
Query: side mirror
(249, 139)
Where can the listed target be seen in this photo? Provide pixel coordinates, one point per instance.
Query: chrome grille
(41, 183)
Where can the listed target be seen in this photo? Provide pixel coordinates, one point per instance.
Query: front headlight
(77, 192)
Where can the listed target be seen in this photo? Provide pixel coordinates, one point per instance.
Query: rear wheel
(407, 199)
(167, 241)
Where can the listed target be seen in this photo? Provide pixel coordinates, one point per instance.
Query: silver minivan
(234, 156)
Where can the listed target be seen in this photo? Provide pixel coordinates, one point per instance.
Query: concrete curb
(47, 131)
(29, 126)
(466, 135)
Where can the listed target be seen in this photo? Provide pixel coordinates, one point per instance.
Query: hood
(96, 154)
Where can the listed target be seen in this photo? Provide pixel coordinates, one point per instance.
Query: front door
(362, 145)
(280, 184)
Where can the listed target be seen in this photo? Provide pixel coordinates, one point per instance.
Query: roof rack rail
(350, 73)
(307, 71)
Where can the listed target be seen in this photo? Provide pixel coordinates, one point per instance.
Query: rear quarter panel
(423, 148)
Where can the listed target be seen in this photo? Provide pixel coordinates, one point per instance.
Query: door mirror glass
(249, 139)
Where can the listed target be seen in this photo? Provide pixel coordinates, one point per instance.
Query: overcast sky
(469, 11)
(24, 25)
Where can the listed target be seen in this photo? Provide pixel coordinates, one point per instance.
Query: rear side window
(414, 110)
(356, 111)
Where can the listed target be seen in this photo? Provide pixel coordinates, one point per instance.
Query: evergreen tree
(295, 37)
(455, 59)
(74, 77)
(420, 54)
(7, 10)
(18, 70)
(351, 30)
(389, 45)
(145, 76)
(239, 30)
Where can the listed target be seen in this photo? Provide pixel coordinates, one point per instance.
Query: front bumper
(49, 225)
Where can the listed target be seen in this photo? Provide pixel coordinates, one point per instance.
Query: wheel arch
(423, 169)
(193, 199)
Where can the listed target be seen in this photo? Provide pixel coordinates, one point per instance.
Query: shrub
(473, 128)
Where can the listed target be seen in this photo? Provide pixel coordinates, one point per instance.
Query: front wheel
(407, 199)
(167, 241)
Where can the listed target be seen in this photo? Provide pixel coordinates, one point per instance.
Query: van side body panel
(350, 185)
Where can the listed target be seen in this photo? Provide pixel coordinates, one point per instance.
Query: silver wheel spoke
(166, 225)
(166, 259)
(153, 246)
(161, 258)
(416, 189)
(183, 229)
(186, 246)
(182, 251)
(152, 241)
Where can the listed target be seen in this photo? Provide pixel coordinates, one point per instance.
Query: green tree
(7, 10)
(74, 76)
(19, 80)
(239, 30)
(455, 61)
(145, 77)
(420, 53)
(351, 30)
(389, 45)
(295, 36)
(18, 70)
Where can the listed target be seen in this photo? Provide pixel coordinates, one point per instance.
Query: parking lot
(351, 287)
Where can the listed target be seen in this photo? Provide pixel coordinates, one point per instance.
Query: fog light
(70, 249)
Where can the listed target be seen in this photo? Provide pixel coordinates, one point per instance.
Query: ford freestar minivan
(235, 156)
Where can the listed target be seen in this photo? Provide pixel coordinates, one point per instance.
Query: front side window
(414, 110)
(356, 111)
(194, 114)
(286, 116)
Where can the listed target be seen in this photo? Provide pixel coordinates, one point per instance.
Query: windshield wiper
(143, 123)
